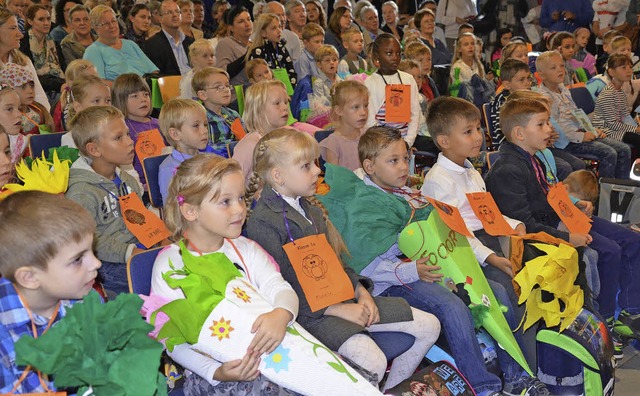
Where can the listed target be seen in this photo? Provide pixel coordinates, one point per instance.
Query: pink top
(243, 153)
(345, 149)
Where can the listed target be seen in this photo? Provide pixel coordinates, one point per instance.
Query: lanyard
(540, 175)
(414, 199)
(244, 265)
(286, 221)
(385, 81)
(122, 190)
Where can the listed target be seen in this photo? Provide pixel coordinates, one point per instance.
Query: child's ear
(276, 176)
(443, 141)
(175, 134)
(506, 85)
(367, 165)
(26, 278)
(189, 212)
(93, 149)
(202, 95)
(76, 106)
(518, 133)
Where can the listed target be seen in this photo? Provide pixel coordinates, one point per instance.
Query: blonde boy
(423, 141)
(352, 62)
(201, 54)
(422, 54)
(312, 39)
(183, 123)
(211, 84)
(41, 276)
(258, 70)
(607, 38)
(96, 182)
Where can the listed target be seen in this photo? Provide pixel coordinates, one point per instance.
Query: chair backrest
(151, 167)
(489, 127)
(320, 136)
(42, 143)
(169, 87)
(492, 157)
(231, 146)
(139, 269)
(583, 99)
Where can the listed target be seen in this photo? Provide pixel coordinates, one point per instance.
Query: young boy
(211, 84)
(423, 140)
(595, 85)
(258, 70)
(355, 211)
(565, 44)
(422, 54)
(615, 157)
(41, 276)
(601, 59)
(352, 62)
(96, 182)
(183, 123)
(521, 194)
(312, 39)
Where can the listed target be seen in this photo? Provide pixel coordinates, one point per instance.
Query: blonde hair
(518, 112)
(199, 81)
(311, 30)
(194, 179)
(255, 116)
(343, 91)
(618, 42)
(96, 14)
(59, 221)
(282, 148)
(199, 46)
(89, 125)
(608, 37)
(15, 55)
(77, 68)
(456, 55)
(259, 25)
(543, 59)
(376, 139)
(325, 50)
(407, 64)
(416, 48)
(251, 65)
(80, 89)
(351, 31)
(582, 184)
(174, 113)
(509, 49)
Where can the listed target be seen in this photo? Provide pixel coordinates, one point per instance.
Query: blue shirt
(110, 62)
(179, 52)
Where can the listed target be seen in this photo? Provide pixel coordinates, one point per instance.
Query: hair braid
(335, 239)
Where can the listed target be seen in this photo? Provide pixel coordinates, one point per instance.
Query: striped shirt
(612, 115)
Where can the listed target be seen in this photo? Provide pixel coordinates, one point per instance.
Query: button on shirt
(179, 52)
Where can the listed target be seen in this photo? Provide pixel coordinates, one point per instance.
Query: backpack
(620, 200)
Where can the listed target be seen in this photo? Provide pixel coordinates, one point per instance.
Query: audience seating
(139, 268)
(583, 99)
(42, 143)
(320, 136)
(231, 146)
(150, 167)
(169, 87)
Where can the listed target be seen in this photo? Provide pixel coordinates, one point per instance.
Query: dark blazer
(266, 226)
(158, 49)
(512, 182)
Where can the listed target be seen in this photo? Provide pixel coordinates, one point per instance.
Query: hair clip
(4, 86)
(180, 199)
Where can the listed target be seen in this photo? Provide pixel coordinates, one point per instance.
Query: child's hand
(578, 240)
(356, 313)
(555, 15)
(269, 329)
(568, 15)
(501, 263)
(245, 369)
(552, 139)
(589, 137)
(601, 133)
(364, 298)
(586, 207)
(521, 229)
(425, 272)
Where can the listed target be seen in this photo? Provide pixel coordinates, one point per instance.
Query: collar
(14, 314)
(170, 37)
(452, 166)
(273, 201)
(180, 156)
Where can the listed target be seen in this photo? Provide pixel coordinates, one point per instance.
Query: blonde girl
(11, 120)
(349, 112)
(266, 108)
(267, 43)
(288, 211)
(205, 210)
(132, 96)
(86, 91)
(201, 54)
(515, 50)
(75, 69)
(465, 59)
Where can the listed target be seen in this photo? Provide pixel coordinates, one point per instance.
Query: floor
(628, 373)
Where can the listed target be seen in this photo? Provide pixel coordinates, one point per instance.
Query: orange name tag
(237, 129)
(319, 272)
(144, 224)
(398, 103)
(576, 221)
(451, 216)
(488, 213)
(149, 144)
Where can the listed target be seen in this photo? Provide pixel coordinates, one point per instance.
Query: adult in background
(81, 37)
(315, 13)
(293, 43)
(339, 22)
(565, 15)
(169, 47)
(425, 23)
(187, 12)
(296, 16)
(62, 19)
(390, 15)
(231, 50)
(138, 24)
(452, 14)
(370, 24)
(111, 55)
(9, 51)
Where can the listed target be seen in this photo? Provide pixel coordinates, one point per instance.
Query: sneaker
(627, 325)
(618, 345)
(526, 386)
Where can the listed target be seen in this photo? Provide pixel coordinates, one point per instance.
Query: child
(608, 16)
(423, 140)
(312, 39)
(421, 53)
(258, 70)
(201, 54)
(266, 109)
(311, 100)
(183, 123)
(75, 69)
(11, 120)
(356, 205)
(525, 124)
(34, 115)
(583, 185)
(582, 58)
(41, 277)
(465, 59)
(596, 84)
(615, 157)
(611, 113)
(267, 43)
(132, 96)
(212, 87)
(386, 56)
(565, 44)
(87, 91)
(285, 161)
(96, 183)
(503, 38)
(352, 62)
(601, 60)
(349, 111)
(6, 165)
(515, 50)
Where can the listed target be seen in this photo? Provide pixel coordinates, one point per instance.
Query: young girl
(515, 50)
(76, 68)
(287, 211)
(11, 120)
(504, 36)
(582, 58)
(465, 59)
(201, 55)
(205, 211)
(87, 91)
(611, 113)
(349, 111)
(386, 56)
(6, 165)
(132, 96)
(267, 43)
(266, 109)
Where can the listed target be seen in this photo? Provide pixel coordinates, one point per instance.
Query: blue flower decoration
(278, 359)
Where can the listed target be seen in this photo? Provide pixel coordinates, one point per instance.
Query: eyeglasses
(172, 12)
(219, 88)
(108, 23)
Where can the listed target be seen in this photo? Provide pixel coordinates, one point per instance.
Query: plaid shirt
(220, 129)
(14, 323)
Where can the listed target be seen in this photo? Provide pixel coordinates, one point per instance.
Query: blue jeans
(618, 265)
(114, 277)
(566, 163)
(457, 325)
(614, 156)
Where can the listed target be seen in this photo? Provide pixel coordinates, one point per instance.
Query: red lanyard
(416, 197)
(540, 175)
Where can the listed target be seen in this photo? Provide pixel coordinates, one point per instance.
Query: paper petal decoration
(46, 176)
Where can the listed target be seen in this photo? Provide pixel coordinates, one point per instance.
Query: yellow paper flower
(241, 294)
(43, 176)
(221, 328)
